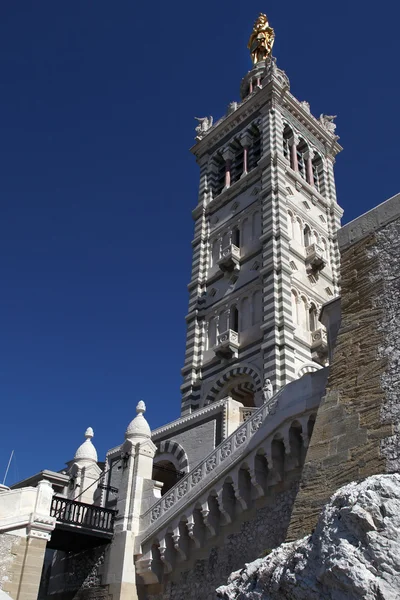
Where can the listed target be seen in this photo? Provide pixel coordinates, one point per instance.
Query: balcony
(80, 525)
(319, 345)
(227, 344)
(229, 259)
(315, 260)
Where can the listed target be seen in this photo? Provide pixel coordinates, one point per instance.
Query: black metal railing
(84, 515)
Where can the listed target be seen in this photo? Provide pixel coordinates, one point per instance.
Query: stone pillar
(309, 167)
(245, 141)
(227, 154)
(293, 153)
(232, 415)
(135, 496)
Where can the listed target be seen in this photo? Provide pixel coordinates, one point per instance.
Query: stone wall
(75, 575)
(21, 561)
(264, 529)
(356, 433)
(8, 552)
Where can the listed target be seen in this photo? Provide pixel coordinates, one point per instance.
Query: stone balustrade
(246, 413)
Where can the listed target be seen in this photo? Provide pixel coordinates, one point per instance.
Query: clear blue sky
(97, 186)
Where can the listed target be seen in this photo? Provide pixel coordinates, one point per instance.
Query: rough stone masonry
(357, 431)
(353, 554)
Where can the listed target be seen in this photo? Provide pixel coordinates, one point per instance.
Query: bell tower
(265, 255)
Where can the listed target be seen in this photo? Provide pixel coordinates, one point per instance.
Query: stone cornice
(226, 124)
(369, 222)
(192, 418)
(229, 193)
(305, 216)
(236, 294)
(311, 293)
(311, 123)
(310, 190)
(282, 99)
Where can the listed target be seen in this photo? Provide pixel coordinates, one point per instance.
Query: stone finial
(87, 451)
(139, 427)
(141, 407)
(89, 433)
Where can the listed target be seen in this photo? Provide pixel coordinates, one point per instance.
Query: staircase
(246, 466)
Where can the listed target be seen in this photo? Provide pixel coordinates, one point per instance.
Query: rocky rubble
(353, 553)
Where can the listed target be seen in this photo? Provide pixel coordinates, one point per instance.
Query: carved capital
(245, 139)
(228, 153)
(309, 154)
(294, 140)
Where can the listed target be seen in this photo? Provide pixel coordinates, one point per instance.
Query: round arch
(176, 451)
(228, 375)
(308, 368)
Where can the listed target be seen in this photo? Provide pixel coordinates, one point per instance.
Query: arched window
(214, 252)
(295, 307)
(317, 169)
(290, 224)
(256, 226)
(219, 182)
(324, 244)
(226, 240)
(287, 136)
(211, 333)
(298, 231)
(246, 233)
(313, 317)
(257, 307)
(237, 162)
(302, 148)
(315, 237)
(255, 149)
(307, 236)
(166, 472)
(245, 316)
(234, 319)
(222, 321)
(303, 313)
(236, 236)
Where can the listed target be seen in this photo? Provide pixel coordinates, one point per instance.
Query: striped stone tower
(265, 256)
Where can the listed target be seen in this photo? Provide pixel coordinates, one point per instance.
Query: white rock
(353, 554)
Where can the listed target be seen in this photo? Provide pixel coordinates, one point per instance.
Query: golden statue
(261, 39)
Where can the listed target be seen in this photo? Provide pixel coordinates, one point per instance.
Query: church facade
(196, 498)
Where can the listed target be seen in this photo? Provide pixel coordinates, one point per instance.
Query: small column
(293, 153)
(227, 154)
(309, 167)
(245, 141)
